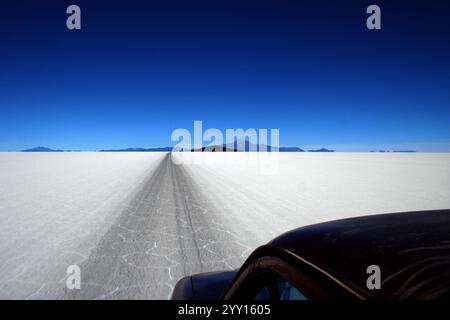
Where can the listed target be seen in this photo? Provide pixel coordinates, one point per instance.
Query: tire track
(166, 232)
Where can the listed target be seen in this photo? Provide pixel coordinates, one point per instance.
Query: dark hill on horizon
(321, 150)
(41, 149)
(246, 146)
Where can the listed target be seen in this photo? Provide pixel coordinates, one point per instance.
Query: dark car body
(331, 260)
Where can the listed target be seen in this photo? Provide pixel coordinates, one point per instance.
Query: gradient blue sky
(139, 69)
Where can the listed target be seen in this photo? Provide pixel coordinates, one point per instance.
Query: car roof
(411, 249)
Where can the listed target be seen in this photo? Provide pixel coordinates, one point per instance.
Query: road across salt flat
(136, 223)
(166, 232)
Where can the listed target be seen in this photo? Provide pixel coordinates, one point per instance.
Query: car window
(286, 291)
(274, 287)
(263, 294)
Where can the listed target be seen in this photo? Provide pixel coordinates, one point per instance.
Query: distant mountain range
(245, 146)
(214, 148)
(217, 148)
(41, 149)
(321, 150)
(231, 147)
(401, 151)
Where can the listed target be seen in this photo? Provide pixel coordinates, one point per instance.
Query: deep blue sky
(139, 69)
